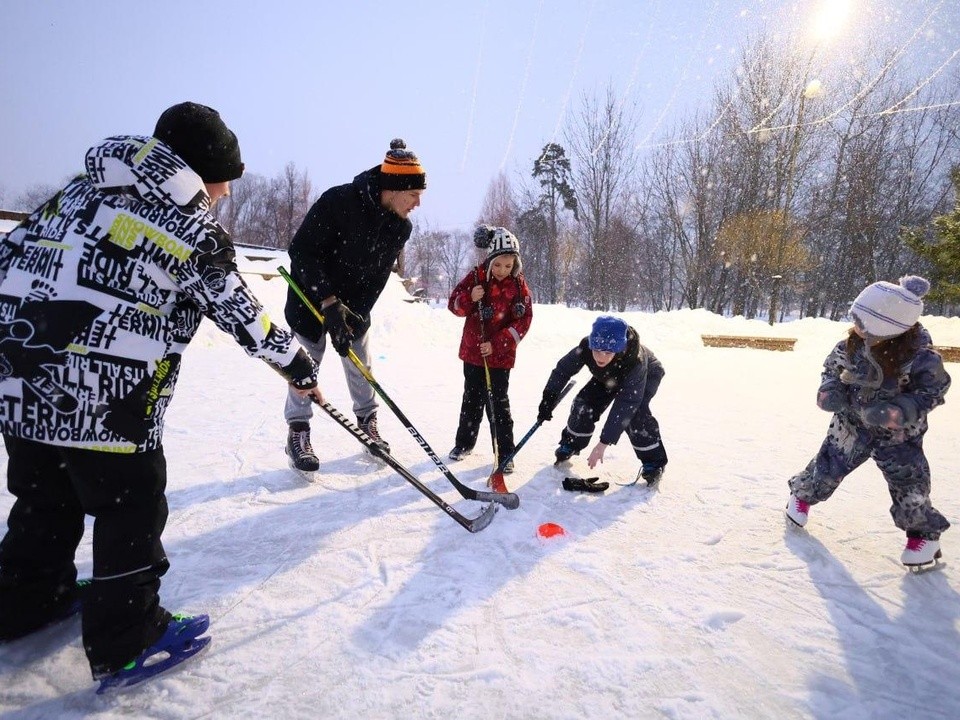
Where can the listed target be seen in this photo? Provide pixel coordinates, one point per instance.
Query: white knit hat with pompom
(884, 310)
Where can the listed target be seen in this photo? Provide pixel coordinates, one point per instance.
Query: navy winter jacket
(346, 246)
(626, 376)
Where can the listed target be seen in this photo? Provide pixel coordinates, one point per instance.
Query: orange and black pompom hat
(401, 170)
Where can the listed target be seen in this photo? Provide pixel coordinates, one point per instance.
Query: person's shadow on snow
(901, 661)
(467, 570)
(241, 554)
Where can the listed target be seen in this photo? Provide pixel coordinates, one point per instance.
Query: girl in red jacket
(496, 303)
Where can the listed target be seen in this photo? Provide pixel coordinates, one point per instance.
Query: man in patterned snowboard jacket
(101, 290)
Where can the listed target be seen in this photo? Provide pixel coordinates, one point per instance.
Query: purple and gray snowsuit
(849, 384)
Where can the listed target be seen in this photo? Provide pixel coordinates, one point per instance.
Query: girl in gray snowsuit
(880, 383)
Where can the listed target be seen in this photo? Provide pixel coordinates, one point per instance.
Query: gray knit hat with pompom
(498, 241)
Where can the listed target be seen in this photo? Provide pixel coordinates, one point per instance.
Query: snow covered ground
(355, 597)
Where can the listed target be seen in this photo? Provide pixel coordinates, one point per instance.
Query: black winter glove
(343, 325)
(302, 371)
(545, 411)
(590, 484)
(486, 312)
(306, 383)
(833, 400)
(882, 414)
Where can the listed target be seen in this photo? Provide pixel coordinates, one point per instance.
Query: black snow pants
(54, 488)
(643, 430)
(475, 401)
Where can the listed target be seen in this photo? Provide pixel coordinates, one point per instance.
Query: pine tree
(552, 170)
(943, 252)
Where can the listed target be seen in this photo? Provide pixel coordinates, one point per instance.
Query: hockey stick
(472, 524)
(508, 500)
(497, 474)
(495, 482)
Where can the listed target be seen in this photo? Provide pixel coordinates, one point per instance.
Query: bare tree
(454, 256)
(601, 143)
(499, 204)
(436, 260)
(685, 195)
(885, 170)
(289, 201)
(266, 213)
(235, 211)
(34, 196)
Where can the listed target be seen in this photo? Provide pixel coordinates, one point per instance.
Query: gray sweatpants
(362, 393)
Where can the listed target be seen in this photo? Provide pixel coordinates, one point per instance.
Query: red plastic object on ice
(550, 530)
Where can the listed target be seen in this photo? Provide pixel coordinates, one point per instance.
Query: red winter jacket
(512, 307)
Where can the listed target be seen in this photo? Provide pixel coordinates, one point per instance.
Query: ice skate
(797, 511)
(369, 426)
(921, 554)
(179, 642)
(563, 453)
(651, 474)
(459, 453)
(300, 451)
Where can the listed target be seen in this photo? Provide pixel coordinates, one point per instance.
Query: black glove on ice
(545, 411)
(343, 325)
(589, 484)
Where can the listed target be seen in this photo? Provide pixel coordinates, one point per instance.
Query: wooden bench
(266, 275)
(948, 353)
(749, 341)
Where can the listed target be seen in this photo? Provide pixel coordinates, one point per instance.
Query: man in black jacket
(341, 257)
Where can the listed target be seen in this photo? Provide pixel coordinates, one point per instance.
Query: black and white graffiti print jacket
(101, 290)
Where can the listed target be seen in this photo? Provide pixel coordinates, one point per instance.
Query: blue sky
(474, 88)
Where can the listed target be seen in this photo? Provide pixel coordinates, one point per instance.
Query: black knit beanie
(401, 170)
(199, 136)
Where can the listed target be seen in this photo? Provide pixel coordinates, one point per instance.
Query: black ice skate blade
(793, 524)
(307, 475)
(651, 485)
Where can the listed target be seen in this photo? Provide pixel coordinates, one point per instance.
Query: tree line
(783, 194)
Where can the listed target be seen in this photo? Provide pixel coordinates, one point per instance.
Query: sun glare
(829, 18)
(813, 90)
